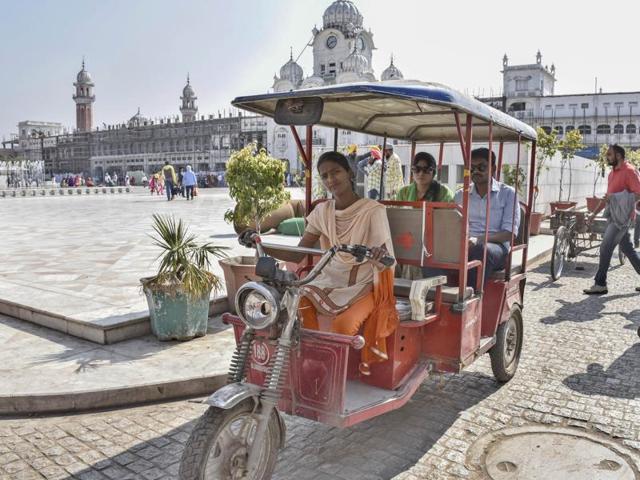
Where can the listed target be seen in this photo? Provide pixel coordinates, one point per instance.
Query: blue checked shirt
(503, 199)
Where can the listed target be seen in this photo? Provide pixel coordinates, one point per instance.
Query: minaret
(188, 108)
(84, 99)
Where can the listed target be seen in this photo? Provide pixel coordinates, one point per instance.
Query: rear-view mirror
(299, 111)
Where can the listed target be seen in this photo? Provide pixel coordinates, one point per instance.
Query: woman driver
(353, 293)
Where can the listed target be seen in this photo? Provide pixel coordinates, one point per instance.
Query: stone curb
(23, 405)
(48, 192)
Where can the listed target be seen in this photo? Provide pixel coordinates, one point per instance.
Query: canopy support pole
(465, 138)
(335, 139)
(384, 166)
(482, 268)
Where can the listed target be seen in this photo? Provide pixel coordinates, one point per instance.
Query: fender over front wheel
(219, 445)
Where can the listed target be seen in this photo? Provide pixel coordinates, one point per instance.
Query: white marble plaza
(74, 263)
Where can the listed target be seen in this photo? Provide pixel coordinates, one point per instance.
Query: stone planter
(237, 271)
(23, 193)
(61, 191)
(52, 192)
(43, 192)
(79, 191)
(561, 206)
(87, 191)
(592, 203)
(104, 190)
(536, 221)
(120, 190)
(113, 190)
(176, 317)
(70, 191)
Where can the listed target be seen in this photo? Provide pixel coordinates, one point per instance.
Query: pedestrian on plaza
(393, 179)
(107, 179)
(623, 191)
(180, 183)
(371, 166)
(144, 180)
(189, 182)
(169, 175)
(114, 179)
(126, 180)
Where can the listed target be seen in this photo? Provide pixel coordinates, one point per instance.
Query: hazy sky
(139, 51)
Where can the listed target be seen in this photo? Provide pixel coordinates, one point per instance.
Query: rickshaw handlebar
(360, 252)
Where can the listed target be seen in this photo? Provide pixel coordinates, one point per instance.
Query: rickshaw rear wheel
(219, 444)
(559, 253)
(505, 354)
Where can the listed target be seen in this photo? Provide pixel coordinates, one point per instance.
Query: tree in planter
(547, 146)
(633, 157)
(514, 176)
(178, 295)
(569, 145)
(256, 183)
(600, 165)
(184, 265)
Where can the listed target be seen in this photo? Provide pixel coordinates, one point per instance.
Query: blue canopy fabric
(407, 110)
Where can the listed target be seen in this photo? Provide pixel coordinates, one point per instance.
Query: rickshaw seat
(402, 288)
(500, 275)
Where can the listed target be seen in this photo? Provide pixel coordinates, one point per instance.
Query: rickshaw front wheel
(219, 445)
(505, 354)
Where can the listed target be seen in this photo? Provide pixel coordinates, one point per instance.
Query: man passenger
(502, 221)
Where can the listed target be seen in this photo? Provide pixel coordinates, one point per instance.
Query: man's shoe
(596, 289)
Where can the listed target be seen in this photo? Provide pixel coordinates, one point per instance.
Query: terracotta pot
(592, 203)
(536, 221)
(237, 271)
(561, 205)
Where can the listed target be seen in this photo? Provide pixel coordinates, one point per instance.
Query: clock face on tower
(360, 44)
(332, 41)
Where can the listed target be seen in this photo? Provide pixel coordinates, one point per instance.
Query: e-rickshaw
(444, 324)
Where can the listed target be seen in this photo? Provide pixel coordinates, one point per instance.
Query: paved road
(579, 369)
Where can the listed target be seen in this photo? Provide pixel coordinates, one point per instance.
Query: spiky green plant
(184, 265)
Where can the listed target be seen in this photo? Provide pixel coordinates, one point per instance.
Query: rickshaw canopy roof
(408, 110)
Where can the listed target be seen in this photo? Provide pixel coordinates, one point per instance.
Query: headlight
(258, 305)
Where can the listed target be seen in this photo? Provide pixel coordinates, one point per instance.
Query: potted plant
(547, 148)
(256, 183)
(600, 165)
(568, 146)
(178, 295)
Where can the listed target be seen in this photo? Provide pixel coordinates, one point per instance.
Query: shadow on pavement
(377, 449)
(620, 380)
(586, 310)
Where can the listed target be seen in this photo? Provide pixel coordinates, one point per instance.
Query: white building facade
(529, 95)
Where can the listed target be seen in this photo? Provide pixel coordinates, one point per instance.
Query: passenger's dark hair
(484, 154)
(433, 193)
(425, 157)
(618, 149)
(335, 157)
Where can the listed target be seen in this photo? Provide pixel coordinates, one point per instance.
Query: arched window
(569, 128)
(631, 128)
(558, 129)
(584, 129)
(546, 129)
(618, 129)
(603, 129)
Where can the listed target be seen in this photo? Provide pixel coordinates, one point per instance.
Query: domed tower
(189, 108)
(291, 76)
(391, 72)
(354, 68)
(84, 99)
(342, 32)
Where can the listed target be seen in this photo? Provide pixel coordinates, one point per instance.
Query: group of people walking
(184, 183)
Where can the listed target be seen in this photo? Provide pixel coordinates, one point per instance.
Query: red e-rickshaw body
(459, 323)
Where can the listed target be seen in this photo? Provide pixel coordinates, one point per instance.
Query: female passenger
(424, 186)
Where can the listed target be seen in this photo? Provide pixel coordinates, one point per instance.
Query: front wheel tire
(219, 445)
(505, 354)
